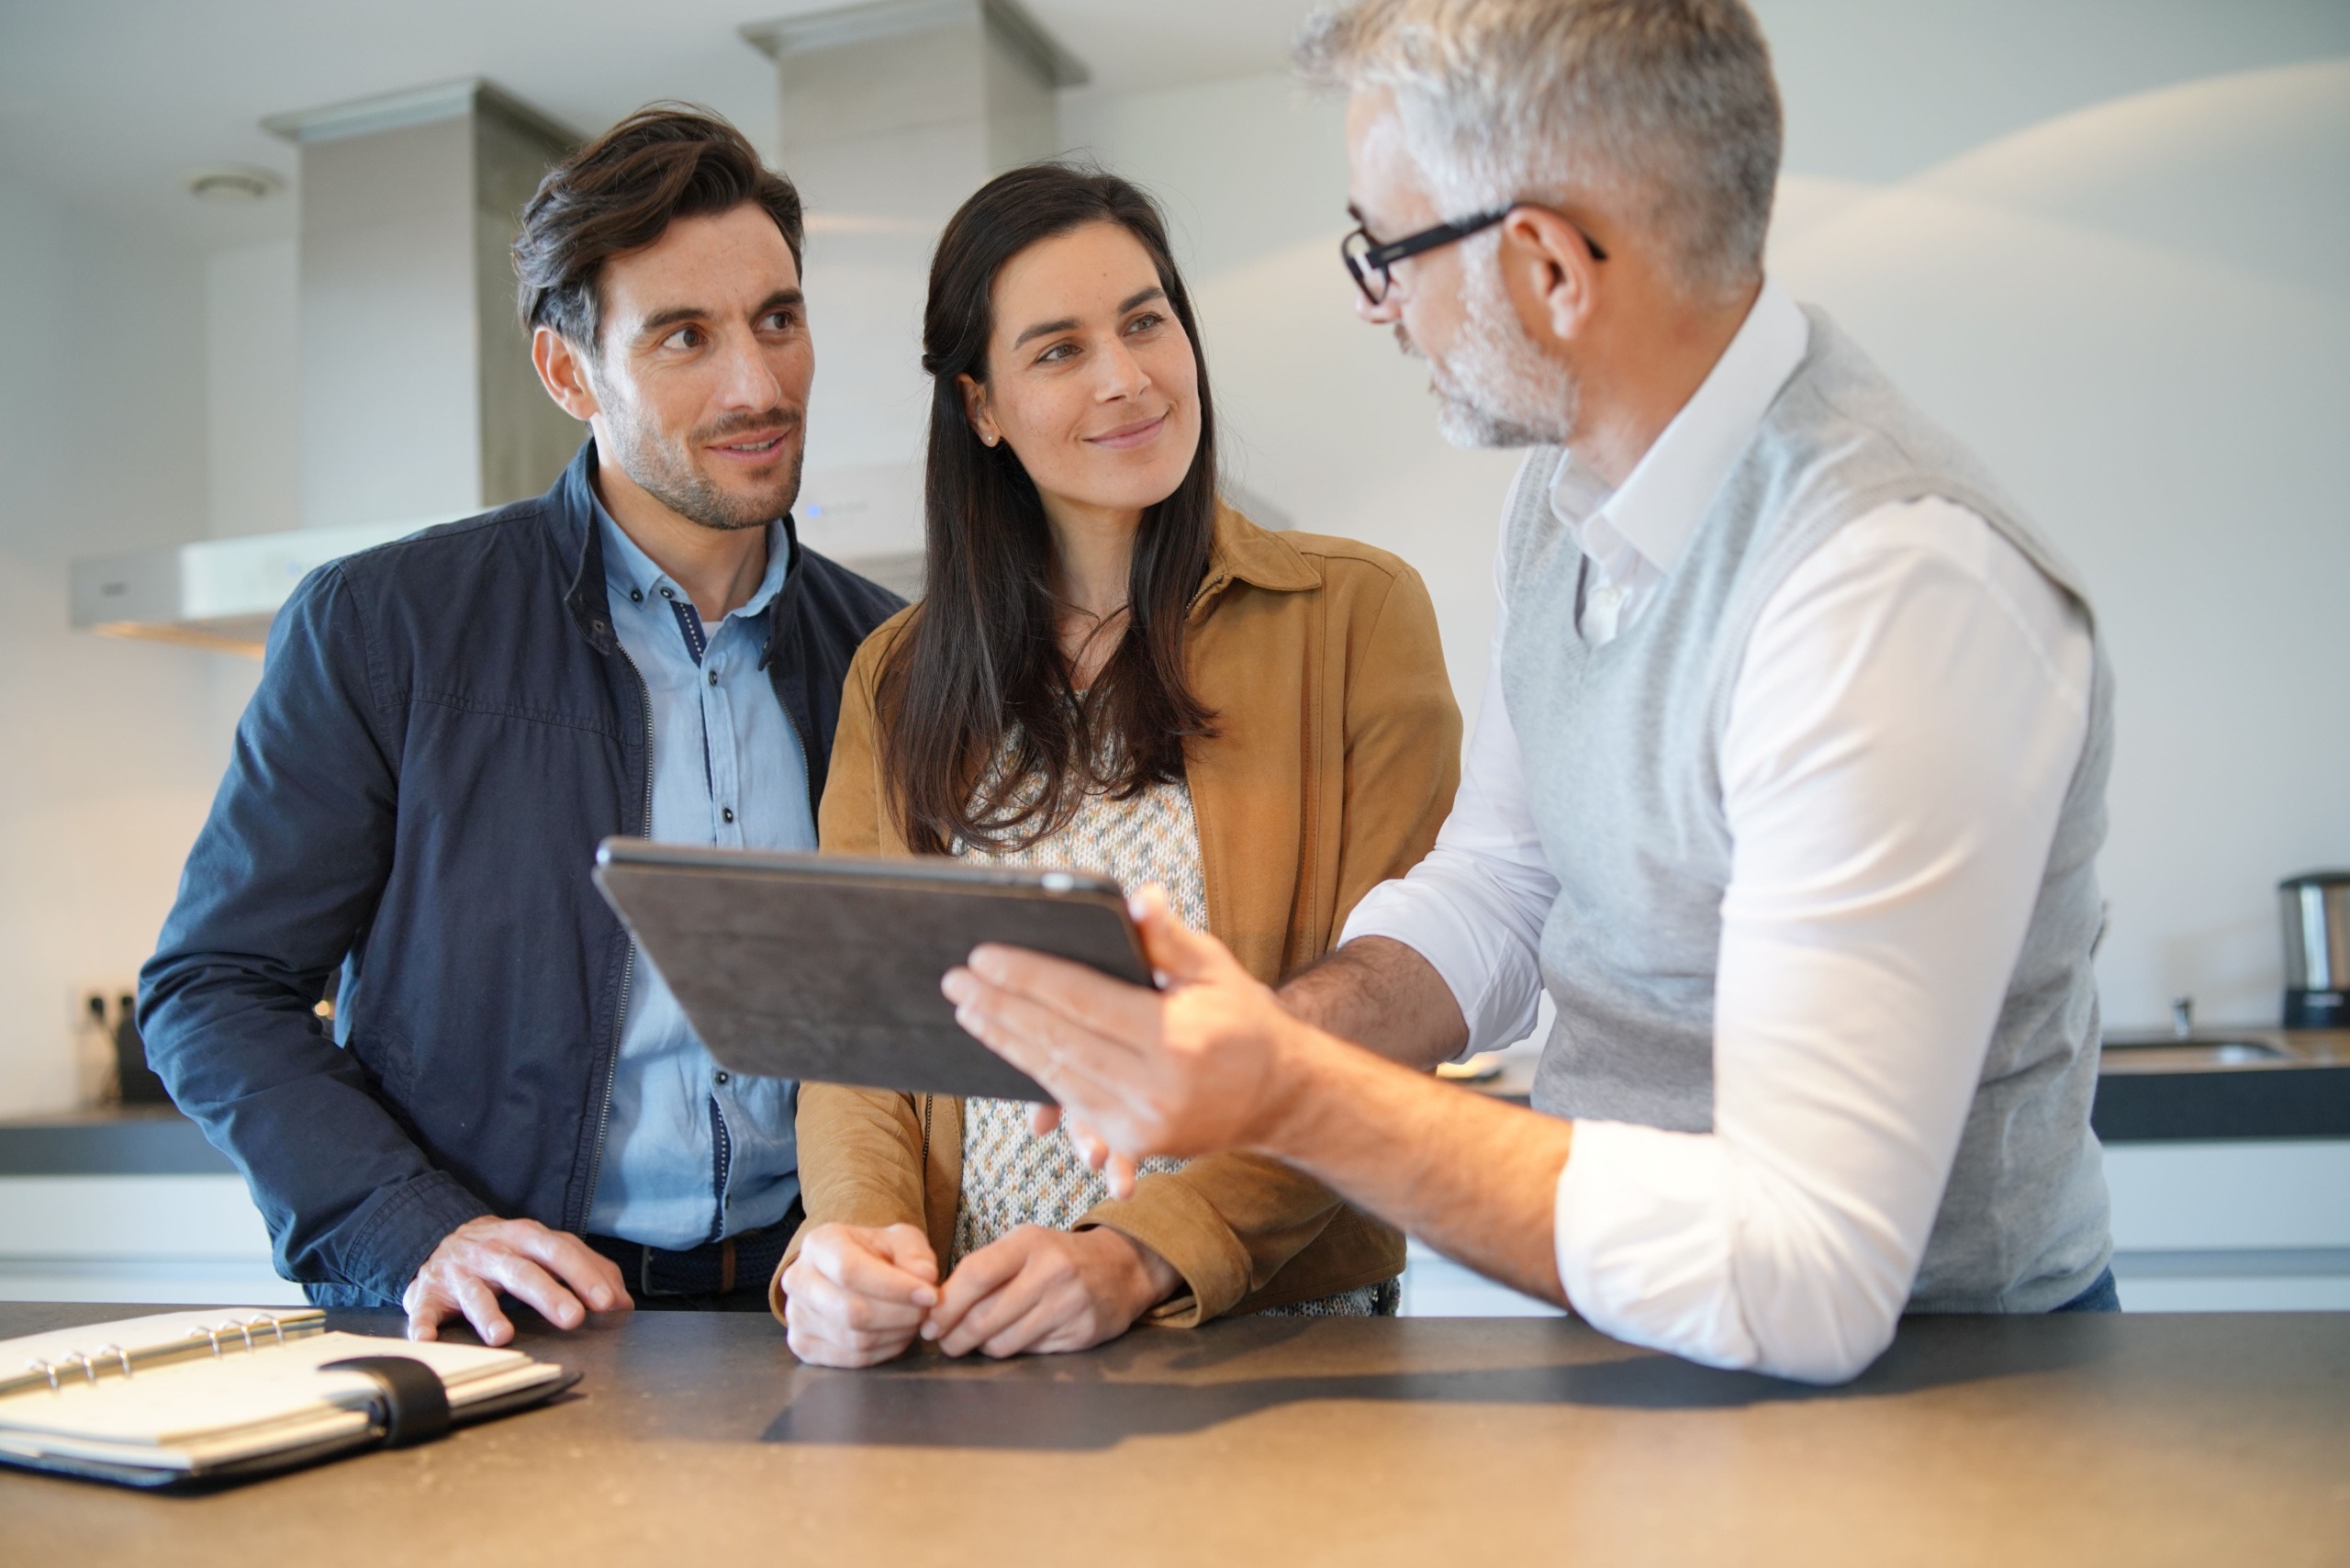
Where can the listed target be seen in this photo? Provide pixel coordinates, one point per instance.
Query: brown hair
(620, 192)
(980, 668)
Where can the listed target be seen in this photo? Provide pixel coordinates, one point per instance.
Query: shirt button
(666, 593)
(719, 1077)
(636, 596)
(713, 678)
(726, 812)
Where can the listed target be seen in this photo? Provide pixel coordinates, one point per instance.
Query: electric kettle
(2316, 907)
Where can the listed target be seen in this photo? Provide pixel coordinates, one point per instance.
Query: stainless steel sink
(2194, 1054)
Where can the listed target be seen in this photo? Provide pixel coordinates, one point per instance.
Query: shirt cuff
(1645, 1224)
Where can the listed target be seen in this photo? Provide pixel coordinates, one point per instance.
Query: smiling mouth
(751, 447)
(1129, 435)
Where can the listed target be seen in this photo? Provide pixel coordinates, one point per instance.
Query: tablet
(826, 969)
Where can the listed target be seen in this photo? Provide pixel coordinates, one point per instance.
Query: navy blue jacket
(445, 728)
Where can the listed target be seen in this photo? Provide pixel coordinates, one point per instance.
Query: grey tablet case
(826, 969)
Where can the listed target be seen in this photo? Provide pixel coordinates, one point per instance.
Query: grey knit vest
(1622, 746)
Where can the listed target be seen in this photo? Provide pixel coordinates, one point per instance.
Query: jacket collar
(1239, 551)
(571, 511)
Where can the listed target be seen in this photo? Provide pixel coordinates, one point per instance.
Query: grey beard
(659, 473)
(1495, 389)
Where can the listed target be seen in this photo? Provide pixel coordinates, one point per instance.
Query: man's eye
(683, 338)
(781, 321)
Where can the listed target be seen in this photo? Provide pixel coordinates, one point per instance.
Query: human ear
(563, 371)
(975, 408)
(1551, 271)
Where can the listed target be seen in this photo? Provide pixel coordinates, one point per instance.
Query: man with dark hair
(512, 1101)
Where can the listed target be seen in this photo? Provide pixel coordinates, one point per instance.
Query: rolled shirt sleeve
(1475, 905)
(1912, 710)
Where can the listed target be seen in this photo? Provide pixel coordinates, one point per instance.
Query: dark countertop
(2222, 1083)
(2152, 1089)
(138, 1141)
(1429, 1441)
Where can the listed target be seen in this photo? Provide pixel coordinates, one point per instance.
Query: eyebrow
(1069, 323)
(781, 299)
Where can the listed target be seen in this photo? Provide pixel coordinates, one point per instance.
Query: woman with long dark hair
(1110, 670)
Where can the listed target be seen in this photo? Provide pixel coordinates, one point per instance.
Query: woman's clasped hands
(859, 1294)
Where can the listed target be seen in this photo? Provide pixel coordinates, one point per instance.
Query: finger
(840, 1315)
(976, 1278)
(1106, 1090)
(1043, 1119)
(593, 1277)
(1051, 1316)
(1119, 1172)
(479, 1304)
(1125, 1015)
(1017, 1026)
(847, 1259)
(1015, 1299)
(1089, 1144)
(523, 1279)
(909, 1249)
(428, 1306)
(1177, 954)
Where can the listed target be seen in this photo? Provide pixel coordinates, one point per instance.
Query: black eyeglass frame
(1371, 258)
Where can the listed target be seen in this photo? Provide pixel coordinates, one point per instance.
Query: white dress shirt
(1911, 706)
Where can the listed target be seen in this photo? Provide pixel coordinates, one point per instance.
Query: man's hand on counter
(552, 1271)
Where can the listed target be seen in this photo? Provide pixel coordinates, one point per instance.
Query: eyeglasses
(1368, 263)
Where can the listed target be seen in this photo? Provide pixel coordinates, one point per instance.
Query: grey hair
(1661, 113)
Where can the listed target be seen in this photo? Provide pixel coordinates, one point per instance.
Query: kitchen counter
(2067, 1440)
(139, 1140)
(2234, 1083)
(2216, 1084)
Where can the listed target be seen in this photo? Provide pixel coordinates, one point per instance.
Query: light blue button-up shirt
(693, 1153)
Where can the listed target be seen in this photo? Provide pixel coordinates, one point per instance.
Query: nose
(1121, 375)
(747, 380)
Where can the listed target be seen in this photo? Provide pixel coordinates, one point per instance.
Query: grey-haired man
(1787, 786)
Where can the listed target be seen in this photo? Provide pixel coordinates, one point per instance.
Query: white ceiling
(109, 103)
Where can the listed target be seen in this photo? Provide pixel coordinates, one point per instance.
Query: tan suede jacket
(1336, 753)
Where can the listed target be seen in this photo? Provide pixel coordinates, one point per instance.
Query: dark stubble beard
(666, 470)
(1495, 389)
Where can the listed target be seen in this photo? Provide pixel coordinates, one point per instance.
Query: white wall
(108, 750)
(2137, 313)
(252, 388)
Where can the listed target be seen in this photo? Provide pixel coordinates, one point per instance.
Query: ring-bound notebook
(228, 1394)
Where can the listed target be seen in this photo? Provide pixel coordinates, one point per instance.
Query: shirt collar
(1657, 507)
(631, 574)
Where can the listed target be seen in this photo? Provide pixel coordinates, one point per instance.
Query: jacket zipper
(628, 965)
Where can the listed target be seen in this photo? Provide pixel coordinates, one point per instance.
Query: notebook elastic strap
(416, 1406)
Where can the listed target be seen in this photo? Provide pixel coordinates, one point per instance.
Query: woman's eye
(1056, 354)
(1146, 322)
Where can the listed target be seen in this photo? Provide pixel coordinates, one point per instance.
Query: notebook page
(157, 1331)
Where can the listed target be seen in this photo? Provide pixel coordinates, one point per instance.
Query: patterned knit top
(1010, 1177)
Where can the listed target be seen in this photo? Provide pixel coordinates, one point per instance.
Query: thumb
(1180, 955)
(909, 1249)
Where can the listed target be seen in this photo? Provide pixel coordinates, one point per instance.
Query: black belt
(715, 1268)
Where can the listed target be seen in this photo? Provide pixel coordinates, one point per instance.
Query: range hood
(217, 593)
